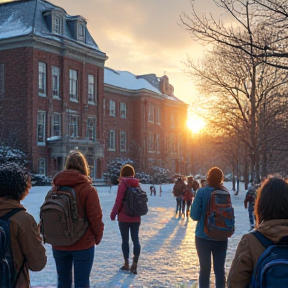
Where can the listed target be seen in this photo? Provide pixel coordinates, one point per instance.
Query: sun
(195, 124)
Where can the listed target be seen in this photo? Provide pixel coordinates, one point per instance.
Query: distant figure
(203, 183)
(23, 234)
(178, 192)
(271, 209)
(205, 245)
(152, 190)
(249, 202)
(160, 191)
(127, 223)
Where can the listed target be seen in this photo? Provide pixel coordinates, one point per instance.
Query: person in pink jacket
(127, 223)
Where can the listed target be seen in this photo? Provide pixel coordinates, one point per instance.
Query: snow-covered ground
(168, 256)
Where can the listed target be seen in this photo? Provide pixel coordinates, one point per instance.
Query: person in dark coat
(127, 223)
(81, 253)
(26, 243)
(178, 192)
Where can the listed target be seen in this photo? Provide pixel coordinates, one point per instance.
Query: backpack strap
(262, 239)
(9, 214)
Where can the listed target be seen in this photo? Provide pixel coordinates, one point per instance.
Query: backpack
(8, 276)
(135, 201)
(219, 222)
(271, 269)
(60, 223)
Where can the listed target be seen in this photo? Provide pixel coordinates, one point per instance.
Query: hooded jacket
(87, 197)
(118, 206)
(26, 243)
(249, 249)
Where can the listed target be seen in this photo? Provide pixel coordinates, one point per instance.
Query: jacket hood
(70, 178)
(131, 181)
(274, 229)
(7, 204)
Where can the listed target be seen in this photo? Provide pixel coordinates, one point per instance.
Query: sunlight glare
(195, 124)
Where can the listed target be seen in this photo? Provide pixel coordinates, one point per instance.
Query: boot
(125, 267)
(133, 268)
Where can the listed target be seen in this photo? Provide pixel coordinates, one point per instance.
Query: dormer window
(54, 20)
(81, 31)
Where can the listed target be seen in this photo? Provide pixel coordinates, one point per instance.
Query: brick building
(53, 96)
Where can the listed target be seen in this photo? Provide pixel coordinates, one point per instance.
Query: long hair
(272, 200)
(77, 161)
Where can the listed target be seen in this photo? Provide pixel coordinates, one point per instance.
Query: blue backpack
(271, 269)
(8, 276)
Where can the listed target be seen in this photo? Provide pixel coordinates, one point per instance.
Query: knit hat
(215, 177)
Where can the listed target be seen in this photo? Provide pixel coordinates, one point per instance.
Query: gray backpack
(61, 225)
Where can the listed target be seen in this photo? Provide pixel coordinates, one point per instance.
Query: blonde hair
(77, 161)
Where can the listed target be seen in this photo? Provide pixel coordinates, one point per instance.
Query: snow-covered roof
(22, 18)
(127, 80)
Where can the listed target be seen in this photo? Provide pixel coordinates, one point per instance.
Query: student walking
(26, 243)
(178, 192)
(271, 210)
(127, 223)
(249, 203)
(206, 245)
(81, 253)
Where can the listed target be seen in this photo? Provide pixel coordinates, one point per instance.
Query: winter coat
(87, 197)
(179, 188)
(118, 208)
(26, 243)
(188, 196)
(249, 249)
(250, 198)
(199, 210)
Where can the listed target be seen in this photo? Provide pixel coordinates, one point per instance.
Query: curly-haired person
(26, 244)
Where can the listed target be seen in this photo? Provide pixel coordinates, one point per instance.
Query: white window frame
(56, 82)
(111, 140)
(151, 114)
(41, 128)
(157, 144)
(91, 128)
(158, 116)
(123, 110)
(73, 85)
(42, 166)
(112, 108)
(56, 124)
(73, 126)
(91, 89)
(81, 31)
(123, 141)
(57, 24)
(42, 74)
(151, 143)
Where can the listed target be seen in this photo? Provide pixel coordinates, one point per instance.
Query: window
(73, 125)
(91, 89)
(56, 125)
(73, 80)
(151, 114)
(81, 31)
(42, 78)
(56, 82)
(122, 110)
(158, 116)
(91, 128)
(111, 140)
(172, 121)
(123, 141)
(42, 166)
(112, 108)
(57, 25)
(41, 125)
(151, 142)
(157, 144)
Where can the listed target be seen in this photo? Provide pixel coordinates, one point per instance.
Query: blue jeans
(251, 215)
(134, 232)
(179, 204)
(82, 261)
(218, 250)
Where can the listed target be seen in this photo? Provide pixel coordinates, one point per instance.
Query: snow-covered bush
(8, 154)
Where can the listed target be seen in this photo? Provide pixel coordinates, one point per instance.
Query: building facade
(56, 96)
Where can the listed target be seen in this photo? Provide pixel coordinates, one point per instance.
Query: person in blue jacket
(205, 245)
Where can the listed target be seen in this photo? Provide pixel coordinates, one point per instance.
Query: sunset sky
(143, 36)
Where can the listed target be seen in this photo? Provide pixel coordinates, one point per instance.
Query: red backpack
(219, 221)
